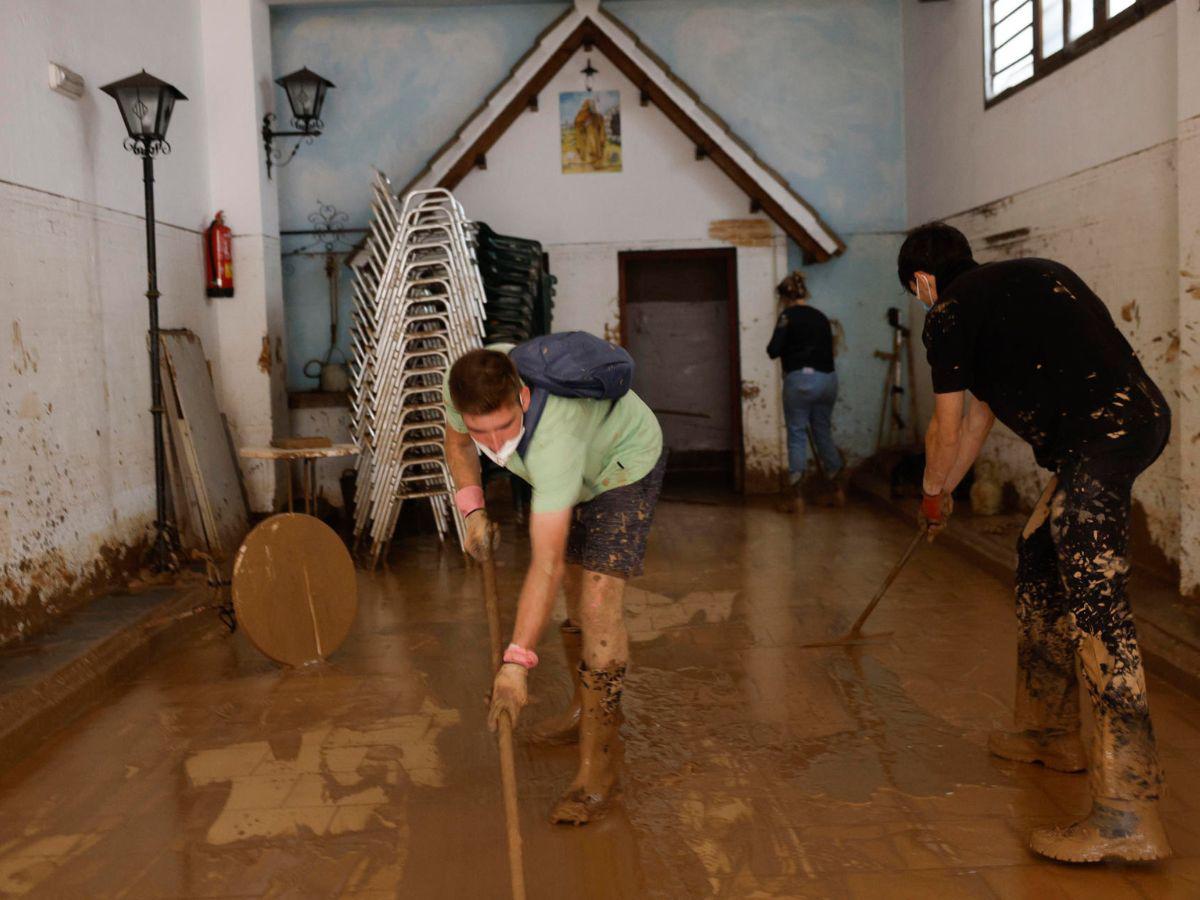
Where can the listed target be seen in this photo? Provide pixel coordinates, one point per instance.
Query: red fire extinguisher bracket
(218, 258)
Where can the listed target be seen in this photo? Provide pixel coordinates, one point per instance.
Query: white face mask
(507, 449)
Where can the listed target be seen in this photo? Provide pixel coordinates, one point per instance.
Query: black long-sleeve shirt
(802, 339)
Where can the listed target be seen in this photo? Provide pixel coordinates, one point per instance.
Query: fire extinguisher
(218, 258)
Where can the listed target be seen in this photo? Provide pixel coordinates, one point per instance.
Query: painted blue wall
(814, 86)
(407, 78)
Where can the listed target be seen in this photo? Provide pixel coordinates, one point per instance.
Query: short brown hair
(482, 381)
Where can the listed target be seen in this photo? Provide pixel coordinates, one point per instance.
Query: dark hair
(792, 287)
(937, 248)
(482, 381)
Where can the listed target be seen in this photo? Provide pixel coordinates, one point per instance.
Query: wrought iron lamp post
(146, 103)
(306, 95)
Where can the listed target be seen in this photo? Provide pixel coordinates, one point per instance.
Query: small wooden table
(308, 457)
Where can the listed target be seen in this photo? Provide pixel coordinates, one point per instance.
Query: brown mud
(752, 767)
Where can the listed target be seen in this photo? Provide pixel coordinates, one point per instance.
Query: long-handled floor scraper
(855, 635)
(508, 770)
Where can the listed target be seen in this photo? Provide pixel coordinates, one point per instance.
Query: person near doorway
(1036, 348)
(596, 468)
(803, 343)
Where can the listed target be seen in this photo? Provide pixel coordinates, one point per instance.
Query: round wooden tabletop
(294, 589)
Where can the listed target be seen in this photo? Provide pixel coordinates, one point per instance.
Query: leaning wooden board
(205, 452)
(185, 506)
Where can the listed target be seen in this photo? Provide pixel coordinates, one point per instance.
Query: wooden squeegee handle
(508, 769)
(856, 629)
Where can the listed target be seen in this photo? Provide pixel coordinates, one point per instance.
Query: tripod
(892, 424)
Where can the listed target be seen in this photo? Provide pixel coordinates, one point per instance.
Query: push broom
(855, 635)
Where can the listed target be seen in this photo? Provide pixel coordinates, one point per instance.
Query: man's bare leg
(602, 676)
(563, 727)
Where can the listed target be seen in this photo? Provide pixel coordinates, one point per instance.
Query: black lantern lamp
(306, 95)
(146, 104)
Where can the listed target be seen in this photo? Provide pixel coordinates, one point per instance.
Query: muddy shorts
(608, 533)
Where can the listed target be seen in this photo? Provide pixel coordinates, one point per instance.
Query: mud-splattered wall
(76, 456)
(815, 88)
(1087, 167)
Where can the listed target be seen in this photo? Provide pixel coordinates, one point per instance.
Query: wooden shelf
(317, 399)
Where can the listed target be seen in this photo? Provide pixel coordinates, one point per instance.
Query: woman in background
(803, 343)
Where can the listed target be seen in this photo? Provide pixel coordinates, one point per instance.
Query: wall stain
(989, 210)
(1172, 353)
(1131, 313)
(24, 359)
(612, 332)
(264, 358)
(40, 590)
(763, 472)
(750, 390)
(839, 336)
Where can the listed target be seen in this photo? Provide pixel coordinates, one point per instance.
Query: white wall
(1087, 159)
(76, 457)
(663, 199)
(235, 35)
(1115, 100)
(1187, 420)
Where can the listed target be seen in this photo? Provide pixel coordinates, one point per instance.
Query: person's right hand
(935, 510)
(479, 531)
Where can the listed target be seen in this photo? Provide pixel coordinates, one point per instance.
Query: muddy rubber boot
(1125, 776)
(839, 487)
(1122, 830)
(600, 749)
(1046, 704)
(793, 500)
(1057, 750)
(563, 728)
(833, 492)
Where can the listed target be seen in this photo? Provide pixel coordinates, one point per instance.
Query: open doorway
(679, 322)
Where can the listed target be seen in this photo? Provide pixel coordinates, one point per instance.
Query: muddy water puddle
(754, 767)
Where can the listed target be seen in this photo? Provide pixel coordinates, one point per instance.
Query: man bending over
(596, 467)
(1038, 350)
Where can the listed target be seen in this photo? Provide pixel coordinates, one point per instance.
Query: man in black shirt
(803, 342)
(1038, 350)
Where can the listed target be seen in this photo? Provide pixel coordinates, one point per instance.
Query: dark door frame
(729, 255)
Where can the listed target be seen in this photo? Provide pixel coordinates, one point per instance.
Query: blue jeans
(808, 399)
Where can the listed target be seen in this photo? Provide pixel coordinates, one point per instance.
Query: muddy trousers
(1072, 605)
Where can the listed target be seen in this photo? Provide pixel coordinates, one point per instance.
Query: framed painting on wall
(590, 124)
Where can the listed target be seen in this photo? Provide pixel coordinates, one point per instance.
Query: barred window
(1024, 40)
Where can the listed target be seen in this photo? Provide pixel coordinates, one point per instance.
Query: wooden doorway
(679, 321)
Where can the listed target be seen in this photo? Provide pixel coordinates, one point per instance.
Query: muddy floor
(754, 768)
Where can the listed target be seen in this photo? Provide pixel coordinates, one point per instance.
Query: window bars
(419, 305)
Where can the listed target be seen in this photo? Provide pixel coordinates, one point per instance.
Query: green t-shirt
(580, 449)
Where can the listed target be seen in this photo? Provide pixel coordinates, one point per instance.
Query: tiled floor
(755, 768)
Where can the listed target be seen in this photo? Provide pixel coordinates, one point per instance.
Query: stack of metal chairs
(419, 305)
(518, 286)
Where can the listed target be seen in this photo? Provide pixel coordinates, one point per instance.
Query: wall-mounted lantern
(306, 95)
